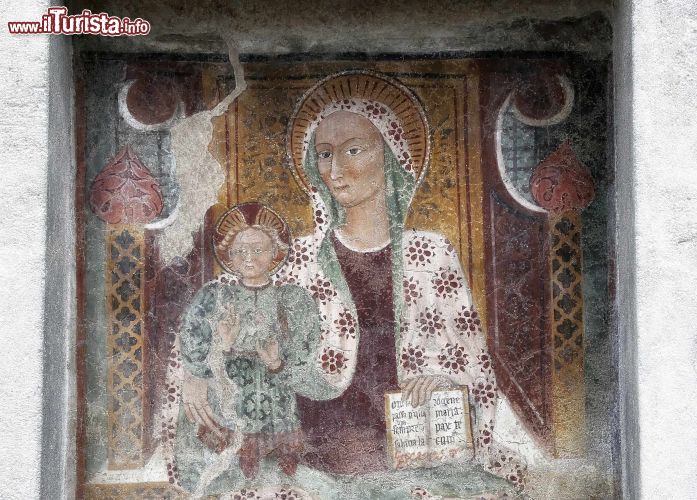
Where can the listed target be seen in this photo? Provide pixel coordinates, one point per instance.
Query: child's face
(251, 254)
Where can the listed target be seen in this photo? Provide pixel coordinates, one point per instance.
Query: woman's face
(350, 158)
(251, 254)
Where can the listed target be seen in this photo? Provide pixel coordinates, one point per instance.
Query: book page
(437, 431)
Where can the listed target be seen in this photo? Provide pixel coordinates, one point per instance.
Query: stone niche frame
(645, 61)
(119, 230)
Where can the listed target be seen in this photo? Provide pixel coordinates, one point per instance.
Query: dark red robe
(346, 435)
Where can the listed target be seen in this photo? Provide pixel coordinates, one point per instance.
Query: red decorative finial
(125, 192)
(561, 182)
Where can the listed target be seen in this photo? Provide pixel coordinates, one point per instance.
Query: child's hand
(268, 351)
(228, 329)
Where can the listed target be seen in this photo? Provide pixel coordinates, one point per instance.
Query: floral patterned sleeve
(196, 333)
(442, 332)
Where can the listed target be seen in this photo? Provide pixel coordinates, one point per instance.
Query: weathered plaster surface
(658, 74)
(199, 175)
(23, 155)
(36, 278)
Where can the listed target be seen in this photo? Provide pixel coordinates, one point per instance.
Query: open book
(435, 432)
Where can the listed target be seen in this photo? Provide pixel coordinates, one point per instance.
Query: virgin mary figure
(396, 309)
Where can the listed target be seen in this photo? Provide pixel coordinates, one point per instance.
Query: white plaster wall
(663, 157)
(23, 159)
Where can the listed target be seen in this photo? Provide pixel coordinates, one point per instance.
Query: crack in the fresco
(198, 173)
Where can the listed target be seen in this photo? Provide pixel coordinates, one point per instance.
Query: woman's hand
(196, 407)
(418, 390)
(268, 351)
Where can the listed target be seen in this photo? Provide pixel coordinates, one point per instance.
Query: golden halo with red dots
(388, 104)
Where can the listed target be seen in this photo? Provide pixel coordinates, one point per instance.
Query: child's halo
(244, 216)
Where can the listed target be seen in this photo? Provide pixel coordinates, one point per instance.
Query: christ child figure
(262, 334)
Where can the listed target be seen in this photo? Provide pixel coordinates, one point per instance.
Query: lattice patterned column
(562, 185)
(125, 196)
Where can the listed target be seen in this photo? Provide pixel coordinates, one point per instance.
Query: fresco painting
(371, 276)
